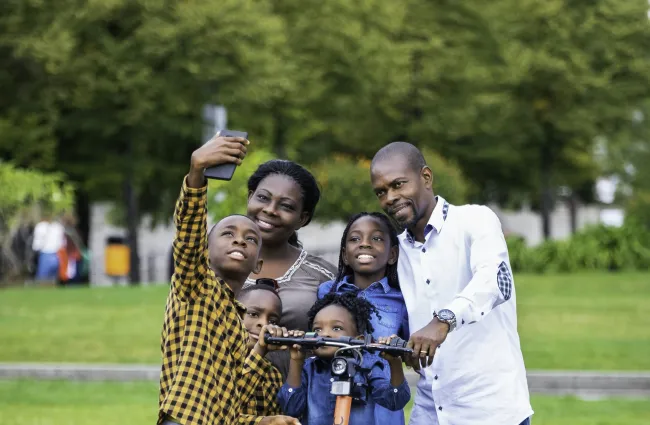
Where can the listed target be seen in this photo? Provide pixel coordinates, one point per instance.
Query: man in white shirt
(455, 277)
(49, 238)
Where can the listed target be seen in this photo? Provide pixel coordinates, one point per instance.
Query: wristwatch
(448, 317)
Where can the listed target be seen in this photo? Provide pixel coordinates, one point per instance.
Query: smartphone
(224, 171)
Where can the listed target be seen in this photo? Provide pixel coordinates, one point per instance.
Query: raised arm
(190, 246)
(190, 243)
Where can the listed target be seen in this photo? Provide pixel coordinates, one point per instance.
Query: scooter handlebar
(311, 340)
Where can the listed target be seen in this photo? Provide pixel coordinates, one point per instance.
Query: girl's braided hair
(391, 269)
(360, 309)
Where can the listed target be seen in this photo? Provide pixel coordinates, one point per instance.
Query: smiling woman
(282, 198)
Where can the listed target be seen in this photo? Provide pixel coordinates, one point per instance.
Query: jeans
(48, 266)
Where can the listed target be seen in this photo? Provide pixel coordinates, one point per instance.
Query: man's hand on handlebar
(279, 420)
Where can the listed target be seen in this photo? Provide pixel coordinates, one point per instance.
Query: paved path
(581, 383)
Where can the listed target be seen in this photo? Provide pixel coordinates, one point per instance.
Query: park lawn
(25, 402)
(593, 321)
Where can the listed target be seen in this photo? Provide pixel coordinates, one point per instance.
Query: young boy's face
(333, 321)
(262, 308)
(367, 248)
(234, 245)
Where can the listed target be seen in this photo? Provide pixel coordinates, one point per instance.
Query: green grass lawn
(583, 321)
(99, 403)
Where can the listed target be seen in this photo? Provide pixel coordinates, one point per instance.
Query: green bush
(596, 247)
(346, 188)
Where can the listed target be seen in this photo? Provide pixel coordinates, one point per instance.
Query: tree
(130, 78)
(348, 67)
(577, 69)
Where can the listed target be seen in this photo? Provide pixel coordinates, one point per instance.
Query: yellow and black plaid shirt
(207, 372)
(264, 401)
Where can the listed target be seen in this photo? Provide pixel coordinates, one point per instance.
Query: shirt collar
(436, 221)
(241, 309)
(383, 282)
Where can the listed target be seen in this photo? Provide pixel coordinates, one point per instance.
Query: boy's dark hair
(360, 309)
(391, 269)
(214, 226)
(304, 179)
(258, 287)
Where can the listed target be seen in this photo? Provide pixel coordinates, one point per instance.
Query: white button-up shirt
(478, 375)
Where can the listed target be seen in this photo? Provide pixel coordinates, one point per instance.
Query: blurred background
(538, 108)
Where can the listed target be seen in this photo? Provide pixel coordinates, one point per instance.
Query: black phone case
(224, 171)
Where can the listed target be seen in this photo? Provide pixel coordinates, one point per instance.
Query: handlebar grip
(397, 342)
(280, 340)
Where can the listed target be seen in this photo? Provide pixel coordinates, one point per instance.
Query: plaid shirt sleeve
(262, 399)
(190, 244)
(252, 375)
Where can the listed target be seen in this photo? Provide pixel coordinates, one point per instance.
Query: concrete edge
(588, 384)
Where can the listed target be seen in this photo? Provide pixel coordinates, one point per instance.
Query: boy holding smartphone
(206, 367)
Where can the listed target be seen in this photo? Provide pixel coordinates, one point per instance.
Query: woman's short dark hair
(303, 178)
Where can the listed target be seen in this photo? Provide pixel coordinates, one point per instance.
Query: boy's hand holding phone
(218, 151)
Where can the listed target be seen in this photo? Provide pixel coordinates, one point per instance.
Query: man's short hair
(411, 153)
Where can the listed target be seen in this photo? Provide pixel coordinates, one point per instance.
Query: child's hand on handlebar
(274, 331)
(385, 340)
(296, 352)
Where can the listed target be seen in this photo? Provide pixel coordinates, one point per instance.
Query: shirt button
(395, 390)
(331, 379)
(428, 281)
(290, 390)
(435, 377)
(424, 250)
(482, 313)
(439, 407)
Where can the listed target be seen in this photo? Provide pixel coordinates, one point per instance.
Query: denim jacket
(313, 404)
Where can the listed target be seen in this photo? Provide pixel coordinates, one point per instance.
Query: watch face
(445, 315)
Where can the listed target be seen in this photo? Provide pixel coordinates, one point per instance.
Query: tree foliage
(515, 92)
(346, 188)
